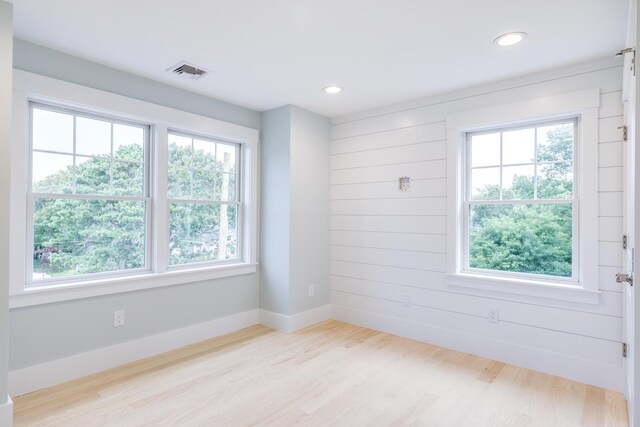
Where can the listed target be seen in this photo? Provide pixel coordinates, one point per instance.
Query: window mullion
(500, 177)
(73, 183)
(535, 163)
(160, 219)
(111, 164)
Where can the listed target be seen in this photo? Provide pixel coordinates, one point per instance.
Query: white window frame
(574, 202)
(31, 196)
(28, 87)
(582, 105)
(237, 203)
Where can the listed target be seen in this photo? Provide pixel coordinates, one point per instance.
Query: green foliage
(194, 230)
(90, 235)
(532, 239)
(535, 239)
(74, 236)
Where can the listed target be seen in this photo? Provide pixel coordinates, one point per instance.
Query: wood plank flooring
(329, 374)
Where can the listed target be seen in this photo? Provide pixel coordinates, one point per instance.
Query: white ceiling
(269, 53)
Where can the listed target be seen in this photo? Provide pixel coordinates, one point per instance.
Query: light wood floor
(329, 374)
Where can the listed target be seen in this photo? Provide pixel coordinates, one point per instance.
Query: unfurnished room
(319, 213)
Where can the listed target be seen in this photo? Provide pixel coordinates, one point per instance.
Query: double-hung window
(89, 205)
(204, 200)
(124, 195)
(91, 210)
(520, 202)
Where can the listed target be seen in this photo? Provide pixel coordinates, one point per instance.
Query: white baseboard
(288, 324)
(55, 372)
(6, 413)
(48, 374)
(581, 370)
(277, 321)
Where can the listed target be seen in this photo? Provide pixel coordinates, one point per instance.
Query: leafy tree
(524, 238)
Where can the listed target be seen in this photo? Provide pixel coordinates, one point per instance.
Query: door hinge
(624, 349)
(625, 132)
(633, 60)
(624, 241)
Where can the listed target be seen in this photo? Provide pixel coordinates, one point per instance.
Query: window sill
(531, 288)
(114, 285)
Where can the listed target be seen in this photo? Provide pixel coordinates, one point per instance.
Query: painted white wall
(386, 244)
(309, 210)
(6, 71)
(295, 217)
(275, 172)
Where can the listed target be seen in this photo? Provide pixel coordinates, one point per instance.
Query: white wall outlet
(406, 300)
(118, 318)
(492, 315)
(312, 290)
(404, 183)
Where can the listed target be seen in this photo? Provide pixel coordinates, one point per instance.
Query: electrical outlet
(406, 300)
(118, 318)
(492, 315)
(312, 290)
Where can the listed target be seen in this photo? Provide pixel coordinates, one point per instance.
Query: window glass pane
(534, 239)
(52, 131)
(205, 149)
(204, 183)
(93, 175)
(229, 187)
(518, 146)
(517, 182)
(228, 243)
(485, 184)
(179, 183)
(74, 237)
(555, 181)
(204, 166)
(128, 142)
(93, 137)
(226, 158)
(128, 179)
(179, 167)
(202, 232)
(52, 173)
(183, 141)
(485, 150)
(555, 143)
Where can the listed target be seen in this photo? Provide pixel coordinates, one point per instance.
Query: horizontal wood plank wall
(387, 245)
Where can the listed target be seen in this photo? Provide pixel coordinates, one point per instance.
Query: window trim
(29, 87)
(582, 104)
(468, 201)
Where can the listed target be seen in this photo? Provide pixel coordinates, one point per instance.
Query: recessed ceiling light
(510, 39)
(332, 89)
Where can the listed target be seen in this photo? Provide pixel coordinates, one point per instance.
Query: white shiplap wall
(387, 246)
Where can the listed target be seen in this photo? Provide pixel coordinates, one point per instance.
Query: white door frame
(631, 99)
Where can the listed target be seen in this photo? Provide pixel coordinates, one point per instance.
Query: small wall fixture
(332, 89)
(510, 39)
(404, 183)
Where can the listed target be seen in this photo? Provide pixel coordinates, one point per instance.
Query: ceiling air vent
(188, 71)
